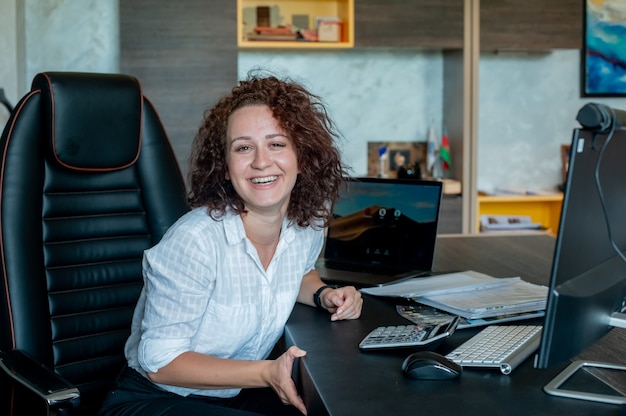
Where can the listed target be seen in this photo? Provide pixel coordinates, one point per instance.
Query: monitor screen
(387, 222)
(587, 291)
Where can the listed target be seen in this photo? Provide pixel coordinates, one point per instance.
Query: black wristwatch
(316, 296)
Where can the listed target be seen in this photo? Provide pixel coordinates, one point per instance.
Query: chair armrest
(44, 382)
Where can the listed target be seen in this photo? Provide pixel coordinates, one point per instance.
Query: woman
(219, 287)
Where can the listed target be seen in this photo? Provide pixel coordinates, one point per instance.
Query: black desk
(337, 379)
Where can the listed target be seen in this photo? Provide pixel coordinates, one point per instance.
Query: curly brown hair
(304, 118)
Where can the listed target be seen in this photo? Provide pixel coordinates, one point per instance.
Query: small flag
(444, 152)
(382, 159)
(433, 148)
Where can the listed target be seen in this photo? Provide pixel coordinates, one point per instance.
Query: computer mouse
(428, 365)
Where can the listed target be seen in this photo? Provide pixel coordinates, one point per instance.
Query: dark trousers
(134, 395)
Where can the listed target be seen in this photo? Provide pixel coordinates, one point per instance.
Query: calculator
(418, 336)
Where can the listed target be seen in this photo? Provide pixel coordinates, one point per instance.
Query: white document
(516, 297)
(469, 294)
(432, 285)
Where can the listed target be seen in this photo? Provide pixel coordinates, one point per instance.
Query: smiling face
(261, 160)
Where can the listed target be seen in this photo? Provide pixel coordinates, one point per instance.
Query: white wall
(69, 35)
(380, 95)
(55, 35)
(527, 110)
(527, 104)
(8, 55)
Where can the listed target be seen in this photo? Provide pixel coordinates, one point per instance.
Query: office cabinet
(530, 24)
(428, 24)
(438, 24)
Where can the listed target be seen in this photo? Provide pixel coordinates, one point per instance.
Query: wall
(8, 55)
(373, 95)
(55, 35)
(527, 109)
(527, 104)
(186, 65)
(66, 35)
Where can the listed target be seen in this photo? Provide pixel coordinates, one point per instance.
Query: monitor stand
(554, 387)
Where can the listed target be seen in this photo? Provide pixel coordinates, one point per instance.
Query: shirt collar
(233, 227)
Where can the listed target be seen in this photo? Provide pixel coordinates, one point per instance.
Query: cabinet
(439, 24)
(542, 209)
(428, 24)
(530, 24)
(281, 14)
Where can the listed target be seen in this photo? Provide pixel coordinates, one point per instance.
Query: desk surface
(337, 379)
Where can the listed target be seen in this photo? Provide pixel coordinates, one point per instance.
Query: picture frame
(603, 56)
(399, 154)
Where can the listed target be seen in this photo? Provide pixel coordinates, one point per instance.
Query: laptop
(384, 230)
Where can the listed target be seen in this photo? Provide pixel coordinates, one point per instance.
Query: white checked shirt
(205, 290)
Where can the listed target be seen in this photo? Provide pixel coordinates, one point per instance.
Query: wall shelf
(543, 209)
(281, 12)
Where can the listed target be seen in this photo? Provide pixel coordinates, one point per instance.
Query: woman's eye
(278, 145)
(242, 148)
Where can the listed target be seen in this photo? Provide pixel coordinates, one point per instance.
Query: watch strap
(318, 292)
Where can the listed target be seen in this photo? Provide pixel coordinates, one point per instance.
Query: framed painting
(408, 155)
(604, 50)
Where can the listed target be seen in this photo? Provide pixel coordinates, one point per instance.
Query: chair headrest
(95, 118)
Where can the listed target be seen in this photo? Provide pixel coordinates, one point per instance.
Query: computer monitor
(587, 293)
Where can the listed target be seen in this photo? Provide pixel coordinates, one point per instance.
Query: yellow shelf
(543, 209)
(282, 12)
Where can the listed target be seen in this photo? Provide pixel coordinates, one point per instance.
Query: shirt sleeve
(317, 242)
(179, 278)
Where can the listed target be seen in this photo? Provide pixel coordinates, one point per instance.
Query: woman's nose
(262, 159)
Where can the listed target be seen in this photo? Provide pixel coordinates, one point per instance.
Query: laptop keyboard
(359, 268)
(498, 346)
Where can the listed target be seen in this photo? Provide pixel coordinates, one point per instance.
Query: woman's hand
(279, 378)
(343, 303)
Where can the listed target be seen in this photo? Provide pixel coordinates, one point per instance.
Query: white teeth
(267, 179)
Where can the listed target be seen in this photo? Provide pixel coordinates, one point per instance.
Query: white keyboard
(498, 346)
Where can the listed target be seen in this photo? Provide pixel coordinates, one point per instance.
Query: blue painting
(604, 49)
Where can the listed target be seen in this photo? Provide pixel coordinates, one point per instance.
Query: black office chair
(88, 180)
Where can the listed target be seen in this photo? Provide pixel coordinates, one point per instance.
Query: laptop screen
(385, 222)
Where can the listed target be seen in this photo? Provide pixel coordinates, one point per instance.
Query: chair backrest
(88, 181)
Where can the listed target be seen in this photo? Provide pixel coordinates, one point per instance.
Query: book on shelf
(508, 191)
(253, 36)
(266, 33)
(469, 294)
(490, 222)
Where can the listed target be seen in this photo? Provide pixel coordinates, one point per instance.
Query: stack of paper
(422, 314)
(470, 294)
